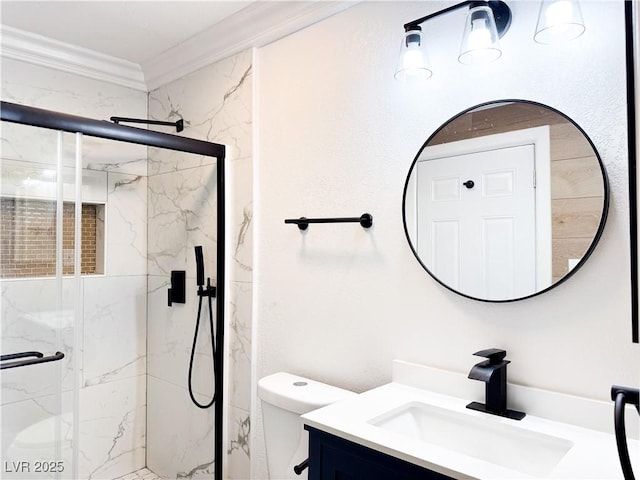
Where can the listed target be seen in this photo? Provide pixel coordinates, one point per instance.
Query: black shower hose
(621, 434)
(201, 294)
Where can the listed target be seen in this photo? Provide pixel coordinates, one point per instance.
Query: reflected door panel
(487, 196)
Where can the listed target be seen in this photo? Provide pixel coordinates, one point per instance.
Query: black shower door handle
(33, 359)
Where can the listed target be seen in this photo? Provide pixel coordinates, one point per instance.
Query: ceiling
(136, 31)
(145, 44)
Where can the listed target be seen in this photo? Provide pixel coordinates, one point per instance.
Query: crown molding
(252, 27)
(259, 24)
(43, 51)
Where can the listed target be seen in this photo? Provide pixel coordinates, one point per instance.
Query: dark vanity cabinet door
(333, 458)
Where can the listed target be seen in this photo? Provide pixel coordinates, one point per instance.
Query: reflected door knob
(469, 184)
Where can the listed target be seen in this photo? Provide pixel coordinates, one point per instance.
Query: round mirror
(505, 201)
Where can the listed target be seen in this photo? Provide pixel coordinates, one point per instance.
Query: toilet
(284, 398)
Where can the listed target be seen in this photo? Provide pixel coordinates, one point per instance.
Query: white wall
(336, 137)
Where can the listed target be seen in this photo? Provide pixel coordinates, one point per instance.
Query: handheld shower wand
(199, 266)
(208, 292)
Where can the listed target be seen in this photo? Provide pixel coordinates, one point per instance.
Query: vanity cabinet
(334, 458)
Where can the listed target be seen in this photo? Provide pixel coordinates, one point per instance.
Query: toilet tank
(284, 398)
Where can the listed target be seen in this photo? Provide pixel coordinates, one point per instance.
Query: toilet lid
(298, 394)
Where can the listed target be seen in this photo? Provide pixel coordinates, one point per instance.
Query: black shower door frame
(37, 117)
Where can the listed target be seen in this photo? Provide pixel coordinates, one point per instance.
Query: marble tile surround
(31, 320)
(112, 428)
(42, 87)
(238, 451)
(182, 214)
(112, 369)
(240, 206)
(170, 338)
(126, 235)
(179, 444)
(239, 357)
(114, 344)
(216, 104)
(30, 430)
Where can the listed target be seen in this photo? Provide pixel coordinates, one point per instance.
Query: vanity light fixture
(480, 42)
(413, 61)
(559, 21)
(487, 22)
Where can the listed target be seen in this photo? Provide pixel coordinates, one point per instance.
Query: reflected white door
(481, 239)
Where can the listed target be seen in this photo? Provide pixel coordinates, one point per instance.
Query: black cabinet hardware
(298, 469)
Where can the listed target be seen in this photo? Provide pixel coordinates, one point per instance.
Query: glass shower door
(39, 304)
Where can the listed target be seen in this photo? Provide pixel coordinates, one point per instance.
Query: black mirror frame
(632, 153)
(594, 242)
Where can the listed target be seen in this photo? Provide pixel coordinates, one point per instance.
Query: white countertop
(592, 456)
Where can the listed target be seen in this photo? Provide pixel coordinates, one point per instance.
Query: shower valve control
(177, 292)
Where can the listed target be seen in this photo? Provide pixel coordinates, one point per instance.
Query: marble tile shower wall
(113, 324)
(115, 394)
(216, 104)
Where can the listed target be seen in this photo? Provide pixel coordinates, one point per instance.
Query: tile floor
(142, 474)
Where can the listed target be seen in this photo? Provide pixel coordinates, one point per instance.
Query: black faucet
(493, 373)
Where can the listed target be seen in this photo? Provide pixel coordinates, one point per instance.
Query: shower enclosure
(84, 354)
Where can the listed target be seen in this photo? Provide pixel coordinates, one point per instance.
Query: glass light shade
(559, 21)
(412, 60)
(480, 42)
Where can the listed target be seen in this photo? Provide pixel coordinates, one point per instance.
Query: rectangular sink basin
(499, 441)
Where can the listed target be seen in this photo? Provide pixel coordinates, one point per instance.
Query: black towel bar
(38, 358)
(365, 220)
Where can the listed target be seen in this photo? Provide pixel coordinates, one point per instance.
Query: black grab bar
(622, 395)
(38, 357)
